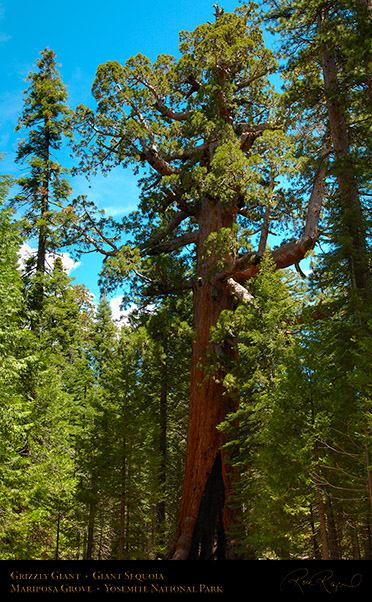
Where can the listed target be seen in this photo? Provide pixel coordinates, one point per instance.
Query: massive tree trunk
(204, 516)
(208, 480)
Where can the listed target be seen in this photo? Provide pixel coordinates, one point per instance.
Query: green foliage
(257, 434)
(201, 128)
(43, 191)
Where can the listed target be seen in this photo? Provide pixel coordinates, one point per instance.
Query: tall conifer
(44, 189)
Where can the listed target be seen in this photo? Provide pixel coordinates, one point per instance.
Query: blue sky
(83, 35)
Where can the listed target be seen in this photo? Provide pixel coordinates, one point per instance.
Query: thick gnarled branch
(161, 106)
(168, 246)
(289, 253)
(173, 223)
(239, 291)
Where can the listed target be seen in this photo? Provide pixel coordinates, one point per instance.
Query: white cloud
(25, 252)
(68, 262)
(113, 211)
(119, 315)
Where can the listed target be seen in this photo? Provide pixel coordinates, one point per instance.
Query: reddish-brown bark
(215, 291)
(209, 403)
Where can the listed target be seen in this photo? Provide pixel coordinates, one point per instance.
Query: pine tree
(328, 87)
(96, 440)
(40, 415)
(17, 358)
(45, 189)
(169, 331)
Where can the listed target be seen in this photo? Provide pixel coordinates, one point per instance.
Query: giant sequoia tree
(207, 129)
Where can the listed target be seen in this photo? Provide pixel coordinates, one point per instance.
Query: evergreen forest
(229, 416)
